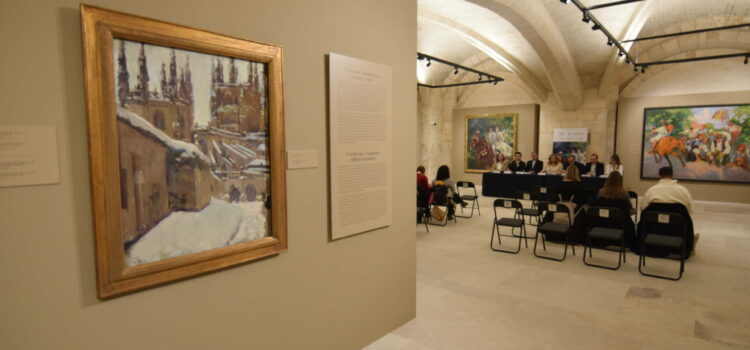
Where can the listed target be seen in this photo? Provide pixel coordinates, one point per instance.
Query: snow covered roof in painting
(143, 125)
(259, 162)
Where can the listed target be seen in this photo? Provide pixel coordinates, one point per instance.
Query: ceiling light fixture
(643, 69)
(635, 68)
(455, 71)
(620, 54)
(428, 62)
(585, 18)
(565, 1)
(480, 77)
(596, 27)
(746, 59)
(627, 60)
(494, 82)
(610, 43)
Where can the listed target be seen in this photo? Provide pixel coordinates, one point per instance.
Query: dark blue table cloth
(507, 185)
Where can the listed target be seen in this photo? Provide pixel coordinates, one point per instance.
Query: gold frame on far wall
(479, 144)
(223, 168)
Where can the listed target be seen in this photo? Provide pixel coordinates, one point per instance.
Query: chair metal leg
(536, 237)
(682, 265)
(494, 225)
(620, 252)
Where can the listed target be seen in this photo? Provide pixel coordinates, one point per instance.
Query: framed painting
(487, 136)
(700, 143)
(186, 150)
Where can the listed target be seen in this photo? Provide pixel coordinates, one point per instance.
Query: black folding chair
(611, 217)
(516, 222)
(473, 198)
(654, 236)
(441, 198)
(548, 226)
(423, 217)
(532, 212)
(633, 211)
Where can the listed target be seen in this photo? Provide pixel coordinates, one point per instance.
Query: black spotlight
(494, 82)
(565, 1)
(643, 69)
(455, 71)
(635, 68)
(627, 60)
(480, 77)
(428, 62)
(596, 27)
(610, 43)
(620, 54)
(746, 59)
(586, 18)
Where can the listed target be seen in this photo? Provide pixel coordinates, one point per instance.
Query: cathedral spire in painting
(123, 78)
(142, 86)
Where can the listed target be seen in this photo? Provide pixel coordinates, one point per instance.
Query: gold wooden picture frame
(184, 155)
(481, 146)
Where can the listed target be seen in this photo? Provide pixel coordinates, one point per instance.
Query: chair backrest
(633, 194)
(606, 217)
(528, 196)
(465, 185)
(508, 204)
(554, 207)
(664, 218)
(440, 195)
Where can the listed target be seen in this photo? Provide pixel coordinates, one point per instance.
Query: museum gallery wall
(49, 264)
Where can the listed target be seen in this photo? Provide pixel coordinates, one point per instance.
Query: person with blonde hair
(554, 166)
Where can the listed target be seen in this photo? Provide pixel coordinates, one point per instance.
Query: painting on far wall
(486, 136)
(701, 143)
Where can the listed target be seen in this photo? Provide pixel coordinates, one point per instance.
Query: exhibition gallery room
(239, 174)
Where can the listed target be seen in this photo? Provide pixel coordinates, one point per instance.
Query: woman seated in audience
(501, 163)
(571, 190)
(443, 178)
(553, 165)
(614, 165)
(613, 194)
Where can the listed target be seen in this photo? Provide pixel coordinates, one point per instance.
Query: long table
(507, 185)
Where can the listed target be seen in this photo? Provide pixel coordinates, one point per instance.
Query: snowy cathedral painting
(193, 140)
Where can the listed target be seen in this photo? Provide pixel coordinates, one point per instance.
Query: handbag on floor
(437, 213)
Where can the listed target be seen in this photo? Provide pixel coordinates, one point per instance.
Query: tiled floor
(469, 297)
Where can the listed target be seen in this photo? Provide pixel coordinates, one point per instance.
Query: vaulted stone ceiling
(543, 48)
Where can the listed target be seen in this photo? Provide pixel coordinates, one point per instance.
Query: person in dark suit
(572, 161)
(517, 164)
(534, 165)
(594, 167)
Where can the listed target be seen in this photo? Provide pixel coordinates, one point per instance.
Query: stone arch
(532, 20)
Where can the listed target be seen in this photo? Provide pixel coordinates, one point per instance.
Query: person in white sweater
(667, 190)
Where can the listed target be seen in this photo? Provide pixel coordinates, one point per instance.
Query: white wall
(318, 295)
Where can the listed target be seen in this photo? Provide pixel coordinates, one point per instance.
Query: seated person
(572, 161)
(517, 164)
(553, 165)
(667, 190)
(501, 163)
(594, 167)
(614, 195)
(571, 190)
(534, 165)
(662, 197)
(422, 179)
(444, 177)
(614, 165)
